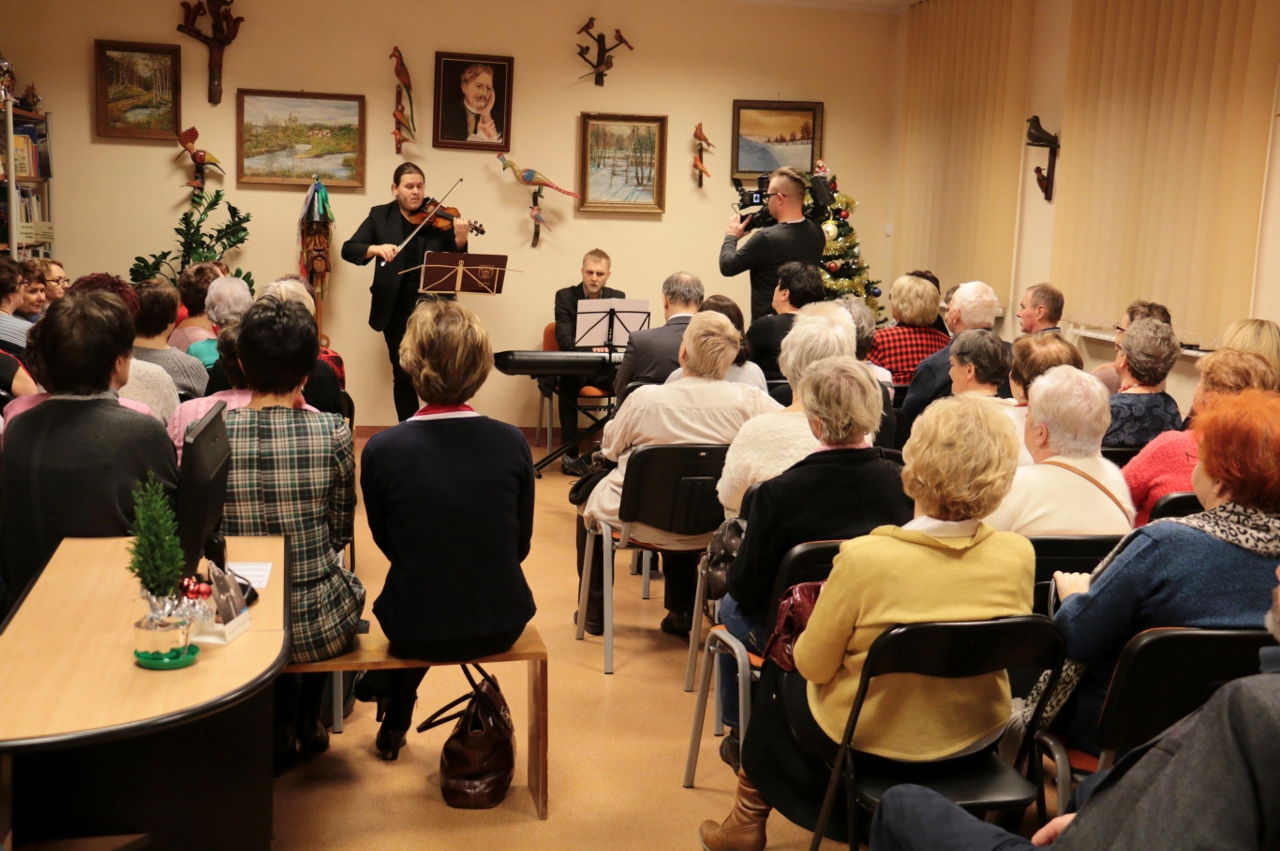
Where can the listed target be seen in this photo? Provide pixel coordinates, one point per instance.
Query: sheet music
(629, 315)
(256, 573)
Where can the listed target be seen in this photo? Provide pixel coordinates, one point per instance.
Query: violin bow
(426, 219)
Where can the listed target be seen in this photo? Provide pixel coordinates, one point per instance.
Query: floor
(617, 743)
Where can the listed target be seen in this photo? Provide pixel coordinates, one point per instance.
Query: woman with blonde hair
(945, 565)
(900, 348)
(1255, 335)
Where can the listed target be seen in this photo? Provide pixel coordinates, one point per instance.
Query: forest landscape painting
(623, 163)
(291, 137)
(138, 90)
(772, 134)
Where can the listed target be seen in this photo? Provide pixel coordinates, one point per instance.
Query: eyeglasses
(767, 195)
(57, 282)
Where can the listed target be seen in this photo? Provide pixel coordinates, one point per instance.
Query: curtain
(963, 128)
(1164, 153)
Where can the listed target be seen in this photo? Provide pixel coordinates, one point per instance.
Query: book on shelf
(32, 145)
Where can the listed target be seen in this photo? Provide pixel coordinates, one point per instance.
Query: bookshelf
(26, 209)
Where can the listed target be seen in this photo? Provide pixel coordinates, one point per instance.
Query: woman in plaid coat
(293, 473)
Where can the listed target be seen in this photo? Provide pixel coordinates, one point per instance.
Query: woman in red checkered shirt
(900, 348)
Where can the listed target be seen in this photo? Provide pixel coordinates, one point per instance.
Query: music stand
(609, 321)
(444, 272)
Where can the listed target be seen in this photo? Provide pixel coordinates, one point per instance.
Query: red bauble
(206, 590)
(833, 267)
(844, 214)
(833, 186)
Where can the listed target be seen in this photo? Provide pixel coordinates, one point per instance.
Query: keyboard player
(595, 274)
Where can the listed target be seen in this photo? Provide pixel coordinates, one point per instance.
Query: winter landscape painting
(623, 163)
(773, 134)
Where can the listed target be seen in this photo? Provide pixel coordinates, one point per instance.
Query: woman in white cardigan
(1071, 489)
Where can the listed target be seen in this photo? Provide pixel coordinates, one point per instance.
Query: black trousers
(406, 397)
(679, 569)
(567, 388)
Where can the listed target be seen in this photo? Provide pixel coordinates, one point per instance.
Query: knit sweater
(894, 576)
(1136, 418)
(1048, 500)
(765, 446)
(188, 373)
(1162, 467)
(151, 385)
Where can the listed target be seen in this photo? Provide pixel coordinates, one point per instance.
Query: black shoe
(677, 623)
(731, 750)
(390, 741)
(361, 691)
(312, 735)
(574, 466)
(592, 627)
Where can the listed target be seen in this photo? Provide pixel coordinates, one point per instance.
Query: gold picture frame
(284, 138)
(769, 134)
(622, 163)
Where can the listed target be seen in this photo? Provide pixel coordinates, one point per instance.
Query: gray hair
(287, 289)
(865, 321)
(1074, 406)
(986, 351)
(813, 338)
(227, 300)
(974, 304)
(841, 394)
(683, 288)
(1151, 348)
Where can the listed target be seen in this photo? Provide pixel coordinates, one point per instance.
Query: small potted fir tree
(163, 633)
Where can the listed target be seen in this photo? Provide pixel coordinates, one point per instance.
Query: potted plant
(162, 634)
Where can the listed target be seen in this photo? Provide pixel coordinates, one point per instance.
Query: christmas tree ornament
(833, 267)
(875, 292)
(844, 214)
(830, 230)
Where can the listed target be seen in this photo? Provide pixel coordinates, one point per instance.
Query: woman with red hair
(1213, 570)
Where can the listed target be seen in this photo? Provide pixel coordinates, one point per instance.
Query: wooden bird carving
(398, 114)
(602, 68)
(398, 136)
(535, 213)
(697, 164)
(701, 137)
(200, 159)
(617, 34)
(531, 177)
(1042, 179)
(402, 74)
(582, 51)
(591, 22)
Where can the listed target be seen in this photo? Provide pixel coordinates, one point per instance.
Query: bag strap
(1099, 485)
(435, 719)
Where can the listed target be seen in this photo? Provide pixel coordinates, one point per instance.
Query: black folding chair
(1070, 554)
(670, 488)
(1176, 505)
(951, 651)
(1120, 455)
(894, 455)
(901, 429)
(900, 394)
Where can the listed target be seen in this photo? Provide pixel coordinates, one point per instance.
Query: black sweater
(767, 250)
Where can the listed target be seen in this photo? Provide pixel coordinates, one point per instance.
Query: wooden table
(98, 745)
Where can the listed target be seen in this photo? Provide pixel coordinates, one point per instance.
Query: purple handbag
(794, 611)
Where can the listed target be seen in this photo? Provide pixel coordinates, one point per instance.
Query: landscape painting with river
(290, 137)
(138, 90)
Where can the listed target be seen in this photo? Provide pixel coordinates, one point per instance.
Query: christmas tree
(843, 270)
(157, 554)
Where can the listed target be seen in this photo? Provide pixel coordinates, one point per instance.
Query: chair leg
(637, 558)
(337, 686)
(646, 562)
(607, 537)
(695, 631)
(537, 429)
(585, 590)
(699, 714)
(1061, 763)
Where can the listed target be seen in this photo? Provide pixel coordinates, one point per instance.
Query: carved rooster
(200, 159)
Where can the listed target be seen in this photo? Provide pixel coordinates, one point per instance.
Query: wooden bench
(371, 652)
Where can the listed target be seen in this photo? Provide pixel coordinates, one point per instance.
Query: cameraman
(793, 238)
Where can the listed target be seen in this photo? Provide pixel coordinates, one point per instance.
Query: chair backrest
(1068, 553)
(1165, 674)
(348, 409)
(810, 562)
(631, 388)
(673, 488)
(901, 428)
(894, 455)
(1120, 455)
(900, 394)
(549, 343)
(748, 496)
(1176, 505)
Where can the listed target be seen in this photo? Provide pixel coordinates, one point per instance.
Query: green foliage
(195, 245)
(157, 554)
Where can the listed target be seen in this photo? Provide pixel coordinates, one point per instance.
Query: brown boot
(743, 830)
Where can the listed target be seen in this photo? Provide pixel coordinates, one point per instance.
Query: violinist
(394, 295)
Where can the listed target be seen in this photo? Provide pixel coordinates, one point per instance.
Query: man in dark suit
(595, 272)
(653, 354)
(395, 295)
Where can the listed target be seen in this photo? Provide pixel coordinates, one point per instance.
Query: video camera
(819, 192)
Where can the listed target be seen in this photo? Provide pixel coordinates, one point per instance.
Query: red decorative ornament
(833, 186)
(206, 590)
(833, 267)
(189, 589)
(844, 214)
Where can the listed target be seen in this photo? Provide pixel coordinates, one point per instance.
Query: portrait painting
(290, 137)
(138, 90)
(622, 163)
(472, 108)
(770, 134)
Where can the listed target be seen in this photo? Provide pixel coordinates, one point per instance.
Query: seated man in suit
(595, 273)
(654, 353)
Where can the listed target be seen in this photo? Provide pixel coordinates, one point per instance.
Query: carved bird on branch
(402, 74)
(617, 34)
(697, 164)
(532, 177)
(535, 213)
(602, 68)
(591, 22)
(398, 114)
(701, 137)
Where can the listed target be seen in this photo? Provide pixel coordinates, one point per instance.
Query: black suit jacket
(384, 226)
(832, 495)
(455, 123)
(567, 312)
(651, 356)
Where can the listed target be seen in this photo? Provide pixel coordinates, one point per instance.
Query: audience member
(1040, 309)
(700, 408)
(55, 278)
(812, 500)
(652, 353)
(770, 443)
(70, 465)
(1145, 353)
(1033, 356)
(971, 308)
(1164, 465)
(33, 298)
(1070, 489)
(979, 365)
(327, 354)
(742, 370)
(148, 385)
(1212, 570)
(14, 378)
(939, 321)
(945, 565)
(157, 314)
(13, 328)
(1136, 310)
(448, 597)
(293, 473)
(865, 322)
(227, 300)
(193, 286)
(900, 348)
(798, 284)
(1261, 336)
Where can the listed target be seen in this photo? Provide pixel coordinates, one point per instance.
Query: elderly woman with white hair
(972, 307)
(1070, 489)
(1141, 410)
(227, 300)
(701, 407)
(900, 348)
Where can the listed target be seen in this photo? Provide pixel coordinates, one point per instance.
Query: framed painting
(770, 134)
(287, 138)
(472, 108)
(622, 164)
(137, 90)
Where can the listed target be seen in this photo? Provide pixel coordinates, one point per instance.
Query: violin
(440, 218)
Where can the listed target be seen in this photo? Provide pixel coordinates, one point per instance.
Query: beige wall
(114, 199)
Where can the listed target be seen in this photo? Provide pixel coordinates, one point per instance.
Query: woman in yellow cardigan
(944, 565)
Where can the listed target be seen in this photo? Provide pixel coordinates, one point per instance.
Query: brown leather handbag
(479, 757)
